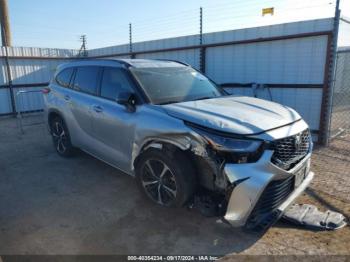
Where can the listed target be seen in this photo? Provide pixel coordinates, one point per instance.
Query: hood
(234, 114)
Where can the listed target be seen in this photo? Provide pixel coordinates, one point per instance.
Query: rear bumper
(256, 177)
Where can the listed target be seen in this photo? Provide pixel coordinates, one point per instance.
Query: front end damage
(255, 195)
(271, 183)
(245, 189)
(265, 192)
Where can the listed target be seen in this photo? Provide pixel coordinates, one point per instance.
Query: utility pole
(8, 74)
(6, 42)
(82, 50)
(5, 24)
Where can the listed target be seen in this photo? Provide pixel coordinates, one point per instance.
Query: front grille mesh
(273, 196)
(290, 150)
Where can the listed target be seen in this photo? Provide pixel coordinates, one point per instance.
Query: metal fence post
(328, 96)
(202, 51)
(132, 55)
(19, 112)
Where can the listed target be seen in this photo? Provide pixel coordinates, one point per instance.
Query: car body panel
(234, 114)
(256, 177)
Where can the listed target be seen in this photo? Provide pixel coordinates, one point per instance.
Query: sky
(59, 23)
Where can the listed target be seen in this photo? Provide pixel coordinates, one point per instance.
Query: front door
(113, 125)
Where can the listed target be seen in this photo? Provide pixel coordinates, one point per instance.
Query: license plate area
(301, 174)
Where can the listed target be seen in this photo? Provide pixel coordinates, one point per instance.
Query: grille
(273, 196)
(290, 150)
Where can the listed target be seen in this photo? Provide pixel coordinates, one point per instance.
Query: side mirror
(127, 99)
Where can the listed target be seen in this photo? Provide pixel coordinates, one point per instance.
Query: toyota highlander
(182, 136)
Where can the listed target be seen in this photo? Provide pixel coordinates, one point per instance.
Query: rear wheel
(61, 138)
(165, 179)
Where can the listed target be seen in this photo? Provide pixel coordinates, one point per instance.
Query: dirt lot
(51, 205)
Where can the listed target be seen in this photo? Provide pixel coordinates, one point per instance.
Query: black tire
(180, 177)
(60, 137)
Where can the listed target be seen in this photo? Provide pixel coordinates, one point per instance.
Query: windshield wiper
(168, 102)
(204, 97)
(173, 101)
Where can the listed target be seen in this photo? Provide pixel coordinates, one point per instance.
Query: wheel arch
(166, 144)
(207, 167)
(173, 155)
(52, 114)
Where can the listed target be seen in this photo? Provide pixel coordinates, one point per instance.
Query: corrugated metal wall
(293, 61)
(26, 72)
(28, 66)
(265, 55)
(38, 52)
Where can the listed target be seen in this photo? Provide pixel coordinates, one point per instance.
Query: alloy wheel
(159, 182)
(59, 136)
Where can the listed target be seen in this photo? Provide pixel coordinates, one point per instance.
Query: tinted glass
(114, 81)
(165, 85)
(86, 79)
(64, 77)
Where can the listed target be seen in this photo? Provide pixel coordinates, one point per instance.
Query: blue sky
(59, 23)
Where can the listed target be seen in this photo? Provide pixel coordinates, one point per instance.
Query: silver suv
(184, 139)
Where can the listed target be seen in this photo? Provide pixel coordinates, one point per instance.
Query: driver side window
(114, 81)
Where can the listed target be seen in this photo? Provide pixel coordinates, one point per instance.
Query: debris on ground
(309, 216)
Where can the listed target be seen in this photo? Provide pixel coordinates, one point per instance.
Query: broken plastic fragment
(309, 216)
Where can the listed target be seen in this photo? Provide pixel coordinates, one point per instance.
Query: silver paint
(117, 136)
(237, 114)
(258, 175)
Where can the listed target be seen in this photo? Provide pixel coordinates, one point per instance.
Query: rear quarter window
(64, 77)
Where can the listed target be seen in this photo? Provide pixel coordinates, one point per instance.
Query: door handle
(67, 97)
(97, 109)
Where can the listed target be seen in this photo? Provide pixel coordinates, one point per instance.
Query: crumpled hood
(234, 114)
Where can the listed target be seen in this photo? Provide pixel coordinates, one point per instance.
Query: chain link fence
(340, 122)
(331, 185)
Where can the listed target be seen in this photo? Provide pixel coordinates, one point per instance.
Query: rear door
(60, 95)
(83, 95)
(113, 125)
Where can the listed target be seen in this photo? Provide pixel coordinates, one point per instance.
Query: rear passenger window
(114, 81)
(63, 78)
(86, 79)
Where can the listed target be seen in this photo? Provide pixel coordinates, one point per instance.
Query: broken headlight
(232, 144)
(232, 149)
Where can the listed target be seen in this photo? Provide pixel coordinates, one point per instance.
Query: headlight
(228, 144)
(233, 150)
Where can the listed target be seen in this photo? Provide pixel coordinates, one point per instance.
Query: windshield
(165, 85)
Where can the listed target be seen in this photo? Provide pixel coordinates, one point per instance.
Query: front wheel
(60, 137)
(166, 180)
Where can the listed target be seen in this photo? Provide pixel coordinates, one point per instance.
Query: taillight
(45, 90)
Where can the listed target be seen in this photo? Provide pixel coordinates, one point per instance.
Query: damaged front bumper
(262, 188)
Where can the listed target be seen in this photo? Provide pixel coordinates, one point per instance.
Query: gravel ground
(51, 205)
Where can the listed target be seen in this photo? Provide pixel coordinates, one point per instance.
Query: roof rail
(173, 60)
